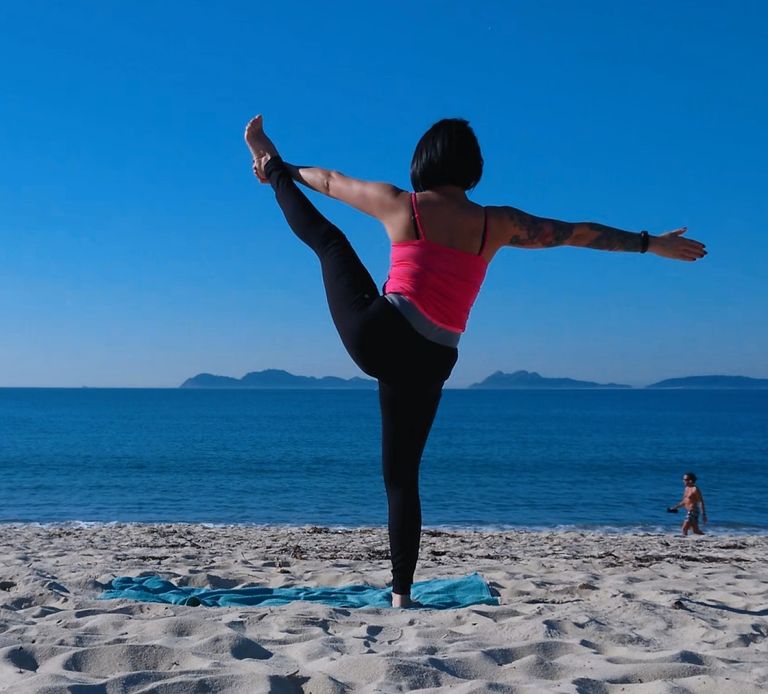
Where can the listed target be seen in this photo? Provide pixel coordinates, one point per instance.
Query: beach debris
(56, 587)
(586, 586)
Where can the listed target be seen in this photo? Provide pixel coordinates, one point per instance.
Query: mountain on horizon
(530, 380)
(713, 382)
(278, 379)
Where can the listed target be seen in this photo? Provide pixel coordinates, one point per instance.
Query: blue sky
(137, 249)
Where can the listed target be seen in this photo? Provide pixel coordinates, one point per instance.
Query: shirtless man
(691, 500)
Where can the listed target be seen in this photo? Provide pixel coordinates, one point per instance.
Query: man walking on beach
(692, 499)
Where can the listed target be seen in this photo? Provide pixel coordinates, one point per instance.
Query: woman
(442, 243)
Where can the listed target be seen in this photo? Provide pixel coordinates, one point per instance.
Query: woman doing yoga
(406, 337)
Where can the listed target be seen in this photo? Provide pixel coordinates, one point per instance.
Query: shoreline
(578, 611)
(329, 542)
(579, 530)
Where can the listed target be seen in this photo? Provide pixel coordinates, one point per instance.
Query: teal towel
(439, 594)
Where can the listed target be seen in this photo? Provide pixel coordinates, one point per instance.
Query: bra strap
(485, 231)
(416, 218)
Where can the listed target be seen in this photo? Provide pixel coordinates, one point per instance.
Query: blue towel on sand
(439, 594)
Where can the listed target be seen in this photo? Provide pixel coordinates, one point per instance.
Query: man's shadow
(727, 608)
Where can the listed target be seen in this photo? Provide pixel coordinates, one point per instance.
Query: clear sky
(136, 248)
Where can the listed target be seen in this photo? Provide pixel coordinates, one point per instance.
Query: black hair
(448, 154)
(690, 475)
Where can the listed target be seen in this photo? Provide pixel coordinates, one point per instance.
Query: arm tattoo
(605, 238)
(537, 232)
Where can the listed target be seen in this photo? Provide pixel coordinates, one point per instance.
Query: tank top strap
(416, 218)
(485, 231)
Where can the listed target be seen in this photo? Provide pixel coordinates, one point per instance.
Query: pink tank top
(442, 282)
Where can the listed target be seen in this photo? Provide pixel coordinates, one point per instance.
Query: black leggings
(410, 369)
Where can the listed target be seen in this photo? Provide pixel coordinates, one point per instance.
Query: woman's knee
(330, 240)
(400, 480)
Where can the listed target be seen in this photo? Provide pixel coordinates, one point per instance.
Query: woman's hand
(672, 245)
(257, 171)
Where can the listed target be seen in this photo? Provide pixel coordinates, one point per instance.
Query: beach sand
(579, 612)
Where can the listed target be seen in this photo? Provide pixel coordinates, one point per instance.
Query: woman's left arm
(379, 200)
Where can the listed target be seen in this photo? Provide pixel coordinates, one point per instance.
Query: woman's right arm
(525, 230)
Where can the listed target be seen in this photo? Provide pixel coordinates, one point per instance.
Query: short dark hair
(691, 475)
(448, 154)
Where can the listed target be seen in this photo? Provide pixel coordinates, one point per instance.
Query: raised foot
(262, 148)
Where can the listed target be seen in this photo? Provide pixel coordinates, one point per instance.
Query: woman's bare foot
(403, 601)
(262, 148)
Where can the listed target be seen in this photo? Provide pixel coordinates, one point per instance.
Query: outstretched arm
(528, 231)
(380, 200)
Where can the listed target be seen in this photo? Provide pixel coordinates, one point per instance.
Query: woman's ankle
(274, 161)
(401, 600)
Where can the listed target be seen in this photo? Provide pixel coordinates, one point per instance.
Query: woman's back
(439, 272)
(446, 218)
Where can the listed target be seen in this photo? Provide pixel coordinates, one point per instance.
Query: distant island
(713, 382)
(529, 380)
(278, 379)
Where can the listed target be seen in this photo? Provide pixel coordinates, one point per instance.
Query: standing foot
(404, 601)
(262, 148)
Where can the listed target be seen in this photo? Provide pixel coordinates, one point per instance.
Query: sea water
(605, 460)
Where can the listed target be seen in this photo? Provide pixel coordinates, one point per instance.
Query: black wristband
(644, 240)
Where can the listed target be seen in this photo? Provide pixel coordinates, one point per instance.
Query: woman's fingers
(675, 233)
(258, 175)
(688, 249)
(683, 249)
(673, 246)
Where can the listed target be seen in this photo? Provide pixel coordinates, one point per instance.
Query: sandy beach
(579, 612)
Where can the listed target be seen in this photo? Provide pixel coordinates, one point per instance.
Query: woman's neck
(451, 192)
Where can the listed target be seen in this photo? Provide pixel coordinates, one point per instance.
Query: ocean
(607, 460)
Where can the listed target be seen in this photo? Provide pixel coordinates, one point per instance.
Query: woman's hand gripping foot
(260, 145)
